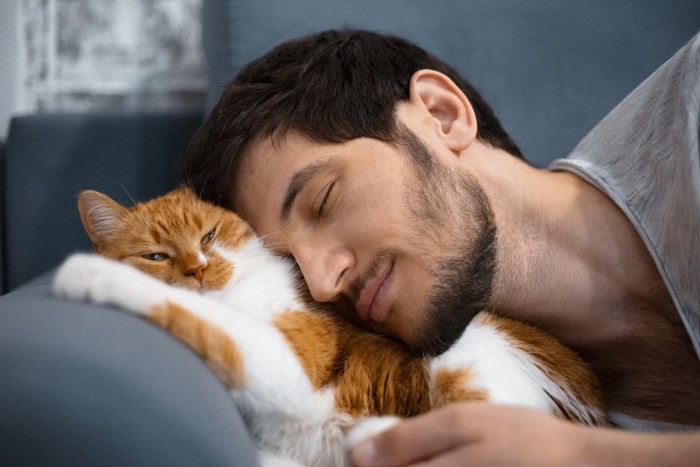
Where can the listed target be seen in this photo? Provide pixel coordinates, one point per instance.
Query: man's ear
(452, 112)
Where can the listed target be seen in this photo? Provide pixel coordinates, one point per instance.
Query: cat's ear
(102, 217)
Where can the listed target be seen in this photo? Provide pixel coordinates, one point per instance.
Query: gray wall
(83, 55)
(10, 81)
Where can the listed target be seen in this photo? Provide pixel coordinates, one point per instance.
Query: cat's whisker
(204, 184)
(278, 232)
(125, 190)
(282, 243)
(188, 181)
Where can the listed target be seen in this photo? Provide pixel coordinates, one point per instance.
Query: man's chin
(380, 329)
(442, 327)
(419, 337)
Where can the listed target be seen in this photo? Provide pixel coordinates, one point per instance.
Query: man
(392, 184)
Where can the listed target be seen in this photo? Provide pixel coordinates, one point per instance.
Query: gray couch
(87, 385)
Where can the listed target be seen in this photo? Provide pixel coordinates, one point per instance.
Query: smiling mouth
(371, 305)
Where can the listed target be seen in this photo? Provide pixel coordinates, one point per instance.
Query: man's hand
(476, 434)
(472, 433)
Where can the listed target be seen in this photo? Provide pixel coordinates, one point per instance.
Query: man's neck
(566, 253)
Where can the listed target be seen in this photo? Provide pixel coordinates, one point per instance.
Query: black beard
(463, 289)
(464, 280)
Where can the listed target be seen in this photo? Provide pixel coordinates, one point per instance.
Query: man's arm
(478, 433)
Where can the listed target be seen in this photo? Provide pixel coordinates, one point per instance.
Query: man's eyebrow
(298, 182)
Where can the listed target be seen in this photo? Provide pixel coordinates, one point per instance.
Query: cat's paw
(93, 278)
(73, 278)
(268, 459)
(367, 428)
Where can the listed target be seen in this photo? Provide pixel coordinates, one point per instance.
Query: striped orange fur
(455, 386)
(371, 375)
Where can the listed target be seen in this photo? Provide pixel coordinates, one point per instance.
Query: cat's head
(176, 237)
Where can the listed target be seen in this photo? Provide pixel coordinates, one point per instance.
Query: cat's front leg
(196, 320)
(93, 278)
(242, 351)
(487, 364)
(492, 361)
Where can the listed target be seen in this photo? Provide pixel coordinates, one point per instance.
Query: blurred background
(82, 55)
(105, 94)
(148, 56)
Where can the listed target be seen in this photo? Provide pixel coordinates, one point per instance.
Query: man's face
(408, 249)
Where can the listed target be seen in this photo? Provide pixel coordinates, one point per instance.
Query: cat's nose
(197, 272)
(193, 265)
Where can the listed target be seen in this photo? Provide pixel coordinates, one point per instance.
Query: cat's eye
(156, 256)
(207, 238)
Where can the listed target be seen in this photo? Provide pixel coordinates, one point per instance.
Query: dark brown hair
(331, 87)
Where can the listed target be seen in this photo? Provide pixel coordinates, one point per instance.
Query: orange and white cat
(301, 376)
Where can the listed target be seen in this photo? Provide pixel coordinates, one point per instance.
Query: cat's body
(301, 375)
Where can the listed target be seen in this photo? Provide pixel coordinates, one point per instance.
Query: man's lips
(372, 301)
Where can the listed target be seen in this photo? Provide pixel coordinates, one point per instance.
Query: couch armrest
(87, 385)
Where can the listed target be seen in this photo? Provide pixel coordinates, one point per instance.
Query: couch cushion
(550, 68)
(85, 385)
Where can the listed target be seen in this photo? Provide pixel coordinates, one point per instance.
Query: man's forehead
(275, 154)
(255, 171)
(265, 171)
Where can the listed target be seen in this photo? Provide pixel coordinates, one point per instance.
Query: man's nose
(325, 269)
